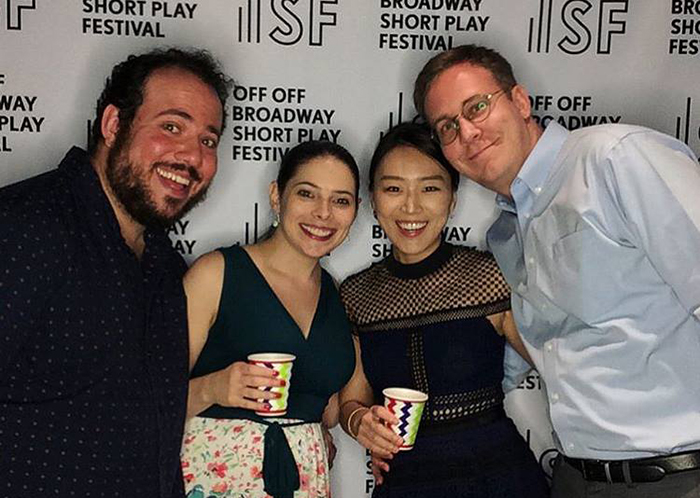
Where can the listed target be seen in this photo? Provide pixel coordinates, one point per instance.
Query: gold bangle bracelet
(352, 414)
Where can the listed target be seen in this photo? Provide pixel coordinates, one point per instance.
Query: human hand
(378, 466)
(374, 433)
(237, 386)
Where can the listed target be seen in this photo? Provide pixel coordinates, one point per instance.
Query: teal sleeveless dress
(224, 448)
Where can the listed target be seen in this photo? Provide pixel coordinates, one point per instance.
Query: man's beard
(132, 190)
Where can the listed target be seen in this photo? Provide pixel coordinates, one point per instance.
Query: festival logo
(19, 114)
(251, 228)
(396, 116)
(577, 27)
(429, 24)
(178, 233)
(685, 27)
(381, 246)
(369, 478)
(134, 18)
(403, 109)
(683, 122)
(286, 22)
(570, 111)
(267, 120)
(531, 382)
(547, 456)
(547, 459)
(686, 130)
(14, 13)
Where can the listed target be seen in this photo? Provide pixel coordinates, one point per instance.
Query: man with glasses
(599, 238)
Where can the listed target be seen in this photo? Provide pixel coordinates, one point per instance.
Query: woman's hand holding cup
(237, 386)
(374, 433)
(281, 364)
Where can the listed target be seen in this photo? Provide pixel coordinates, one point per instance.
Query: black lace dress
(424, 326)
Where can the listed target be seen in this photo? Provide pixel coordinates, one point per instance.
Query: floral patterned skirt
(224, 458)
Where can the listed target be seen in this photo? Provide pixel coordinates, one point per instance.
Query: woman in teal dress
(272, 296)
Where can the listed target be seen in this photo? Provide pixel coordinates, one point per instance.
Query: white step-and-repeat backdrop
(344, 70)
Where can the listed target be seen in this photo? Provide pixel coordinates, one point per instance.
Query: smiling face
(162, 165)
(317, 207)
(412, 199)
(490, 152)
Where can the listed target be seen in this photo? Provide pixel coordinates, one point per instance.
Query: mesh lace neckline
(423, 267)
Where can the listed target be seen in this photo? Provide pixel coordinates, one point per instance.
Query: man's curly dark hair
(124, 87)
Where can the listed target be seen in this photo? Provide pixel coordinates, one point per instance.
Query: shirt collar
(77, 165)
(87, 187)
(536, 168)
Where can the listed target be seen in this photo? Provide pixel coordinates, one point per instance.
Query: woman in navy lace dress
(432, 317)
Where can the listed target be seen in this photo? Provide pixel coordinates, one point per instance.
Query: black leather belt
(639, 470)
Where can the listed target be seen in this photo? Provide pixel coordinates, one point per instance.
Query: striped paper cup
(282, 363)
(407, 405)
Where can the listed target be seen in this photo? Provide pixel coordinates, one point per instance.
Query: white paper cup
(406, 405)
(281, 363)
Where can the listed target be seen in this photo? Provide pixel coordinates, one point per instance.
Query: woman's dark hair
(418, 136)
(301, 154)
(125, 86)
(475, 55)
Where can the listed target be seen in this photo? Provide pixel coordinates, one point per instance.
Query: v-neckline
(279, 301)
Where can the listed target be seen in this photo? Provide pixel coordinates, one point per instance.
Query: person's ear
(274, 195)
(110, 125)
(521, 99)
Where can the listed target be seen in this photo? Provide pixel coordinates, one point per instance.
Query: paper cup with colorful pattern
(406, 405)
(281, 363)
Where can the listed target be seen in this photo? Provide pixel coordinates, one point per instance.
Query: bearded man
(93, 325)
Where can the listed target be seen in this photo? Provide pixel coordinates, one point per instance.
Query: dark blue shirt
(93, 345)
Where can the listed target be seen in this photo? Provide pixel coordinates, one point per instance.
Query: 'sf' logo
(287, 22)
(579, 26)
(13, 12)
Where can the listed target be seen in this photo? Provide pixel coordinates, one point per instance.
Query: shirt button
(571, 446)
(531, 261)
(549, 346)
(538, 190)
(527, 216)
(521, 288)
(555, 397)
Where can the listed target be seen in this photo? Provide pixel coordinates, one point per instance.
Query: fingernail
(275, 373)
(284, 382)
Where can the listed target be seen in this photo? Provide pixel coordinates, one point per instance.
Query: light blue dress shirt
(601, 246)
